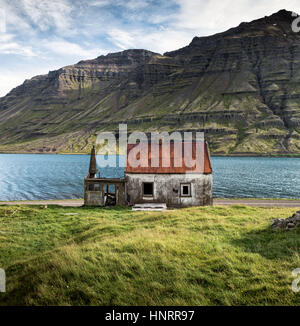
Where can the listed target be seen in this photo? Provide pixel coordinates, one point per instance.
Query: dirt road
(220, 202)
(65, 203)
(258, 202)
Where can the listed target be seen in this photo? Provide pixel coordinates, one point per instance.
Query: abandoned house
(173, 186)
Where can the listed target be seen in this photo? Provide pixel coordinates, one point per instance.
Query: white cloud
(135, 4)
(59, 32)
(165, 40)
(9, 46)
(122, 38)
(195, 18)
(15, 18)
(10, 79)
(130, 4)
(2, 20)
(46, 14)
(65, 48)
(213, 16)
(5, 37)
(99, 3)
(15, 48)
(157, 41)
(7, 82)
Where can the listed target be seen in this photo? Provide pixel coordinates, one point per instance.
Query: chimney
(93, 167)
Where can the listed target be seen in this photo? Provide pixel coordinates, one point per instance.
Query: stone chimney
(93, 166)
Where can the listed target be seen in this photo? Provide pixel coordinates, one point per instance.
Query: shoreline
(215, 198)
(258, 155)
(212, 155)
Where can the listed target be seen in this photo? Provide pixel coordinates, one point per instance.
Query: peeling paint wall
(167, 189)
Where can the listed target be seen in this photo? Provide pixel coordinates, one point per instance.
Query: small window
(185, 190)
(148, 189)
(93, 187)
(90, 187)
(111, 189)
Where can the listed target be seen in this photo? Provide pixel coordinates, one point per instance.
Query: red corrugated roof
(160, 154)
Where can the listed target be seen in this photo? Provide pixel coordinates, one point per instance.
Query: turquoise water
(27, 176)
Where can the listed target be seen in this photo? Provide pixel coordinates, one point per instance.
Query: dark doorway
(148, 189)
(109, 195)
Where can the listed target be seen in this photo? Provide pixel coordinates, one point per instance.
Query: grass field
(194, 256)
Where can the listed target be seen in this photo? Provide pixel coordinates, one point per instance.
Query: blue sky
(43, 35)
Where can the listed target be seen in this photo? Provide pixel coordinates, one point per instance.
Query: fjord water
(42, 176)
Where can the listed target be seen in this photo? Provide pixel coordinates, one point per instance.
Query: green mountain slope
(241, 87)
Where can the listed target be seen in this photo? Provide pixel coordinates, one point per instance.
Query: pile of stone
(288, 223)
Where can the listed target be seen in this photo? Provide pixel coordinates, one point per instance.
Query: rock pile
(287, 224)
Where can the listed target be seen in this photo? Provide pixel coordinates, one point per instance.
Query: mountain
(241, 87)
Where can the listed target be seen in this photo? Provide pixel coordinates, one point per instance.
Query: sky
(37, 36)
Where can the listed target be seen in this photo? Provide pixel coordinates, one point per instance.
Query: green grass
(194, 256)
(254, 199)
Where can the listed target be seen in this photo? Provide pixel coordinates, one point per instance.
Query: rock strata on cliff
(241, 87)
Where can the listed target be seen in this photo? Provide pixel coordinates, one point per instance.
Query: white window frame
(189, 185)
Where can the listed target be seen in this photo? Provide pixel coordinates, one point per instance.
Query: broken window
(148, 189)
(185, 190)
(90, 187)
(93, 187)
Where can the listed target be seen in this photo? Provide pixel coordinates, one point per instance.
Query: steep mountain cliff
(241, 87)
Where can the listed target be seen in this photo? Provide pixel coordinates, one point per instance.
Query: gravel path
(221, 202)
(65, 203)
